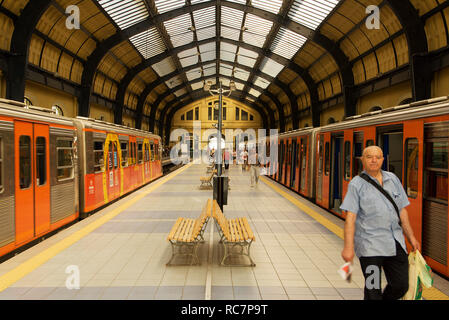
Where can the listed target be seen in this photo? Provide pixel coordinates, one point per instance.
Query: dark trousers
(396, 273)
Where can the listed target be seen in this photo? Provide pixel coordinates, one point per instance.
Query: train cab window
(64, 151)
(347, 160)
(124, 149)
(436, 170)
(41, 161)
(98, 156)
(147, 152)
(140, 152)
(326, 159)
(411, 167)
(25, 162)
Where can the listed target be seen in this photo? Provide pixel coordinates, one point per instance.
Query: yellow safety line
(31, 264)
(428, 293)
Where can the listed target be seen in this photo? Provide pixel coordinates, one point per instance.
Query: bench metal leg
(177, 249)
(228, 253)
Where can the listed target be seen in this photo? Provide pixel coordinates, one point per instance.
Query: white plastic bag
(420, 274)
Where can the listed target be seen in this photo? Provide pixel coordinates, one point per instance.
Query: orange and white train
(55, 170)
(320, 162)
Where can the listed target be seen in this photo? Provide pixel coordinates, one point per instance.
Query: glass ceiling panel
(164, 67)
(253, 39)
(205, 33)
(287, 43)
(209, 70)
(241, 74)
(198, 1)
(261, 82)
(225, 82)
(180, 92)
(271, 67)
(197, 85)
(194, 74)
(257, 25)
(188, 61)
(239, 85)
(225, 70)
(188, 53)
(125, 13)
(167, 5)
(311, 12)
(249, 62)
(231, 17)
(148, 43)
(254, 92)
(173, 82)
(204, 17)
(230, 33)
(272, 6)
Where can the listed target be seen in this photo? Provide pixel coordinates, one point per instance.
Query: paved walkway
(121, 251)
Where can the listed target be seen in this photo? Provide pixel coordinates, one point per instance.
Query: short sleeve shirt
(377, 224)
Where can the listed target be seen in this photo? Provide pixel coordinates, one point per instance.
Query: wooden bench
(210, 167)
(234, 234)
(186, 234)
(206, 182)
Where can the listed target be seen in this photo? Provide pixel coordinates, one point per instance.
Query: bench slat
(248, 229)
(174, 229)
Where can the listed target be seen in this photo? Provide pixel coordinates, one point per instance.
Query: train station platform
(121, 251)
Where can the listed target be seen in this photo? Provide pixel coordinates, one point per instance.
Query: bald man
(372, 229)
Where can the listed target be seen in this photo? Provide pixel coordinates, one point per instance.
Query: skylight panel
(181, 92)
(225, 70)
(231, 17)
(167, 5)
(287, 43)
(239, 85)
(261, 82)
(198, 1)
(188, 61)
(174, 82)
(204, 17)
(197, 85)
(225, 82)
(272, 6)
(209, 70)
(256, 30)
(250, 99)
(230, 33)
(125, 13)
(149, 43)
(164, 67)
(238, 1)
(205, 33)
(253, 39)
(188, 53)
(241, 74)
(208, 51)
(271, 67)
(311, 13)
(246, 61)
(194, 74)
(254, 92)
(228, 51)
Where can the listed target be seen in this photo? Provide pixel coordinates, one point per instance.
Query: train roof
(414, 110)
(107, 126)
(21, 110)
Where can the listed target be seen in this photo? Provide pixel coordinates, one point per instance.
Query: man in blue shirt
(372, 230)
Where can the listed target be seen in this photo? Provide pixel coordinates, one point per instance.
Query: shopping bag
(263, 171)
(420, 275)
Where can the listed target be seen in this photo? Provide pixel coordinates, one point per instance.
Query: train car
(114, 161)
(38, 184)
(414, 139)
(296, 172)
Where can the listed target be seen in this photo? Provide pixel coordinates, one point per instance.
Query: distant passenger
(373, 229)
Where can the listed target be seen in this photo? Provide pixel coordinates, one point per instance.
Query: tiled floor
(295, 256)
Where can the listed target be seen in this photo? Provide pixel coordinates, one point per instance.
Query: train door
(32, 186)
(303, 165)
(413, 172)
(294, 155)
(288, 166)
(390, 140)
(280, 161)
(327, 164)
(112, 171)
(297, 164)
(435, 191)
(133, 160)
(336, 178)
(347, 162)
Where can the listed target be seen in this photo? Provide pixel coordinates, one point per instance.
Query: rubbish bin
(220, 191)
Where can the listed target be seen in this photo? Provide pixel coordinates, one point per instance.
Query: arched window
(375, 108)
(330, 120)
(57, 109)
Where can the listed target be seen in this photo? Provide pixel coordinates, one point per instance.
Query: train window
(326, 159)
(244, 115)
(25, 162)
(152, 151)
(135, 152)
(237, 113)
(139, 152)
(64, 151)
(124, 149)
(147, 152)
(197, 113)
(369, 143)
(209, 113)
(436, 169)
(182, 116)
(115, 155)
(411, 167)
(357, 149)
(320, 155)
(347, 160)
(41, 161)
(223, 113)
(98, 156)
(189, 115)
(110, 149)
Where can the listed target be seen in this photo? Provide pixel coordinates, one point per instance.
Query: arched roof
(150, 56)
